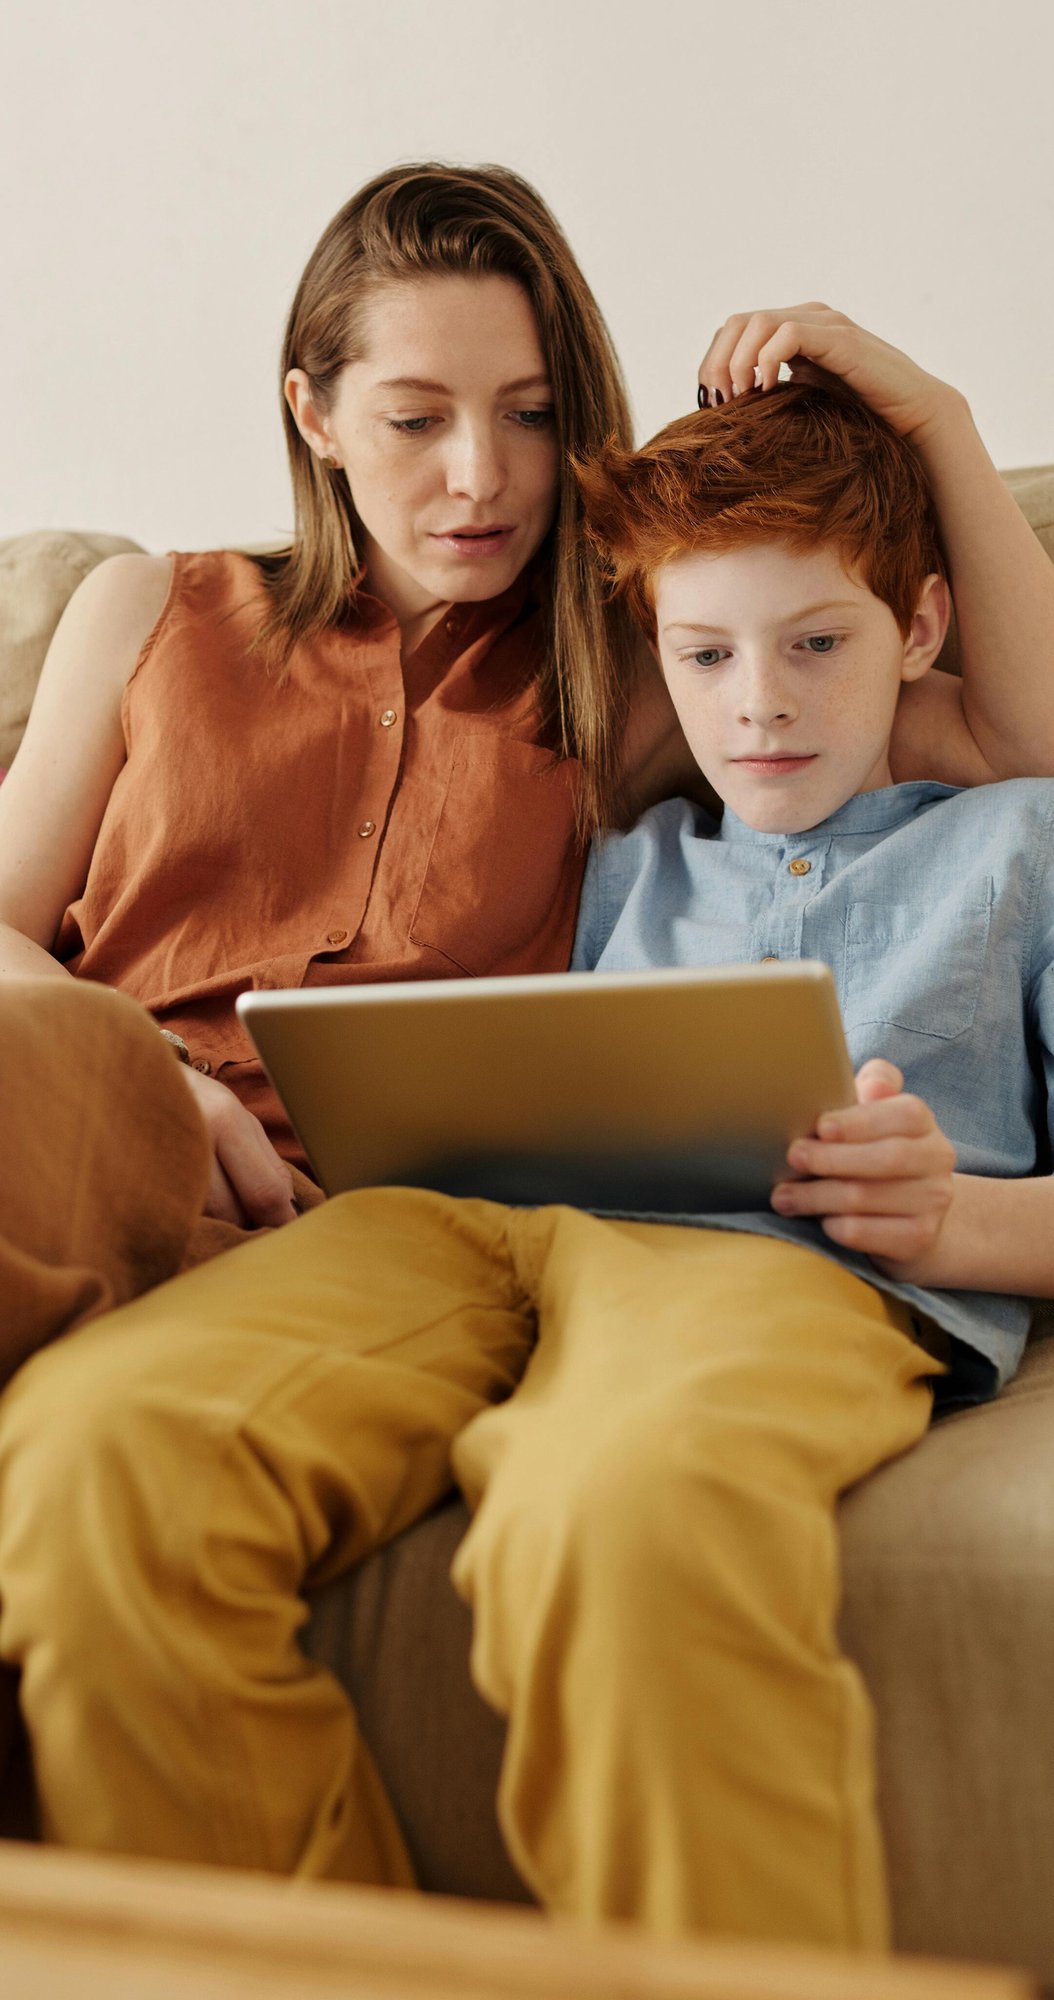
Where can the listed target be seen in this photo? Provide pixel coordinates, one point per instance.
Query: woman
(371, 757)
(442, 359)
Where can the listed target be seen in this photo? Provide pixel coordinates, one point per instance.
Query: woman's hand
(880, 1175)
(747, 352)
(248, 1182)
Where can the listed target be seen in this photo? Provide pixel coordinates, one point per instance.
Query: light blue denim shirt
(934, 909)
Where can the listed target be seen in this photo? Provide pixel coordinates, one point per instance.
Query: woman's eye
(710, 656)
(821, 642)
(408, 426)
(533, 420)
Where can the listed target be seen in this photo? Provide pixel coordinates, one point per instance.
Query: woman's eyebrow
(441, 389)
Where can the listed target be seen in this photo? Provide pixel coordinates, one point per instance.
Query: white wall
(167, 167)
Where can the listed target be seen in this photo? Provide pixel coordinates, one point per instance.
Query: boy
(782, 555)
(652, 1563)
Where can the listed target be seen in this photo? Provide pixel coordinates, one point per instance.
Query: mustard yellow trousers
(652, 1426)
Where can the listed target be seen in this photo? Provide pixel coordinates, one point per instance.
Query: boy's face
(784, 670)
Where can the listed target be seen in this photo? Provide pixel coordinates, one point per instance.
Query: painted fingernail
(736, 390)
(701, 398)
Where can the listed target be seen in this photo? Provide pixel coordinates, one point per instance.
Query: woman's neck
(413, 608)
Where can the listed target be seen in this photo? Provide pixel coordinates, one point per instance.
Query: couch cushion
(949, 1611)
(948, 1559)
(398, 1637)
(38, 574)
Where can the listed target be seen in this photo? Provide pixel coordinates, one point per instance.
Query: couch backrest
(39, 573)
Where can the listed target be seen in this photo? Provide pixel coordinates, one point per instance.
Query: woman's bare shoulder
(116, 608)
(54, 797)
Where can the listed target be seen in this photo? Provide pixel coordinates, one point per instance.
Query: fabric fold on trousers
(105, 1159)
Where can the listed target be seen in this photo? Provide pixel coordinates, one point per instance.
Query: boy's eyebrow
(440, 388)
(809, 611)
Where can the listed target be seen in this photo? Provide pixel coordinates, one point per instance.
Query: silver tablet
(661, 1092)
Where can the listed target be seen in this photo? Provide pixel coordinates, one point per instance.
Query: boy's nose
(766, 700)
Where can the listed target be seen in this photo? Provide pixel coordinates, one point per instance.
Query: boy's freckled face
(785, 671)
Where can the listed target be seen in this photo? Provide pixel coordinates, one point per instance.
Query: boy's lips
(477, 541)
(781, 766)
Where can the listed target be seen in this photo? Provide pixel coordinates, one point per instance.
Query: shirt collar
(476, 619)
(866, 812)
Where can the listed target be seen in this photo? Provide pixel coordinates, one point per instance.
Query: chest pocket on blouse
(501, 884)
(917, 965)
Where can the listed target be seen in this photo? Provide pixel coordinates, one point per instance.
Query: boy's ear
(928, 628)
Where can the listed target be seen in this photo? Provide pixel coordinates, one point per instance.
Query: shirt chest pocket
(501, 884)
(917, 965)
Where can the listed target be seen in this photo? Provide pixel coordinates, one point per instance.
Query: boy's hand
(879, 1174)
(815, 341)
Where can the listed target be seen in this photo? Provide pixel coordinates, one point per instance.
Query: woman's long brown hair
(481, 221)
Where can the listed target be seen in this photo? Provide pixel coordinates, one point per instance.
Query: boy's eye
(821, 642)
(710, 656)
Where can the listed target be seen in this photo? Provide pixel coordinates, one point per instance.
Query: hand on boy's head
(878, 1175)
(750, 348)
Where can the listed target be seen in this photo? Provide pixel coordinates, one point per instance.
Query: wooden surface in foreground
(100, 1929)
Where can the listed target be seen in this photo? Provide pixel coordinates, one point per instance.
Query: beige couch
(949, 1587)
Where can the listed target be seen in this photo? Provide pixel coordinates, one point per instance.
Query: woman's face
(446, 432)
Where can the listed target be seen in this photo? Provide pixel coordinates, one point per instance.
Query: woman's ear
(928, 628)
(311, 426)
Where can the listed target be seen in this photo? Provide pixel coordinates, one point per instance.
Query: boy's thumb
(877, 1079)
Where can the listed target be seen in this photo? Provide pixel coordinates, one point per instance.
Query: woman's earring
(332, 465)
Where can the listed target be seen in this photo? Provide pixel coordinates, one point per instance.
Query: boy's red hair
(799, 464)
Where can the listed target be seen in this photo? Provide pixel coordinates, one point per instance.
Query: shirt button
(388, 718)
(336, 937)
(799, 867)
(202, 1065)
(368, 826)
(452, 624)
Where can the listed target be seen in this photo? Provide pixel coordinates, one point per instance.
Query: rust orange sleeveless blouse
(368, 817)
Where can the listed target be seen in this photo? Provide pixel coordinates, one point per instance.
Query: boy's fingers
(880, 1118)
(892, 1159)
(930, 1196)
(896, 1239)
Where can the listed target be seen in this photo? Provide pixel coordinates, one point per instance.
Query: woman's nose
(475, 468)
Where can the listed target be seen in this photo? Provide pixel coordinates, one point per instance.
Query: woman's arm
(999, 722)
(55, 794)
(51, 808)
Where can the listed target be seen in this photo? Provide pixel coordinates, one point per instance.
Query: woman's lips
(774, 767)
(478, 542)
